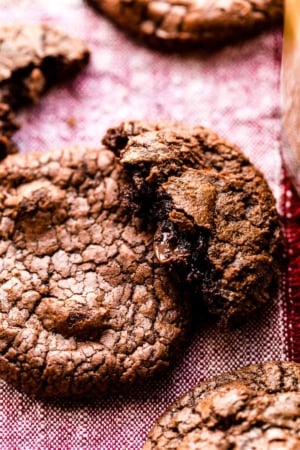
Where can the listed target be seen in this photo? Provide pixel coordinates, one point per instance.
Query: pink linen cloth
(234, 91)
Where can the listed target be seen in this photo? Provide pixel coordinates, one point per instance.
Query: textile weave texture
(235, 92)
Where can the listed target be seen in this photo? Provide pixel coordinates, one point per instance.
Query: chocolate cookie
(217, 227)
(257, 407)
(32, 58)
(85, 309)
(177, 24)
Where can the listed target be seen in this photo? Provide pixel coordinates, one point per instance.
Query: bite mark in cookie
(84, 307)
(254, 407)
(173, 24)
(217, 226)
(32, 58)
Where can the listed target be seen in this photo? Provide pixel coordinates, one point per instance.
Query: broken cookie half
(217, 228)
(32, 58)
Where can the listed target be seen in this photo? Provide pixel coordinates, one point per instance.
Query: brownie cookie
(257, 407)
(177, 24)
(84, 307)
(32, 58)
(217, 227)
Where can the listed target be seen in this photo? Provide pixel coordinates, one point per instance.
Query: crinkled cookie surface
(254, 408)
(84, 307)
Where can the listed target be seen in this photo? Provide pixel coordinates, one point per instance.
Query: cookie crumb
(71, 121)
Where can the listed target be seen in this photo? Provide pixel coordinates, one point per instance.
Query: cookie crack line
(175, 25)
(32, 58)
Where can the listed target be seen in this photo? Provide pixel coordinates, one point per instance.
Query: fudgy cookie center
(215, 221)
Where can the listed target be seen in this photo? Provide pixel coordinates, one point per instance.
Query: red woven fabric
(291, 217)
(235, 92)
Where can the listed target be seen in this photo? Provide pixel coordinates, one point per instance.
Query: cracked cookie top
(84, 308)
(257, 407)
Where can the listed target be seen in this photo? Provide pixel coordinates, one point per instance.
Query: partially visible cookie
(217, 227)
(8, 126)
(84, 307)
(257, 407)
(32, 58)
(175, 24)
